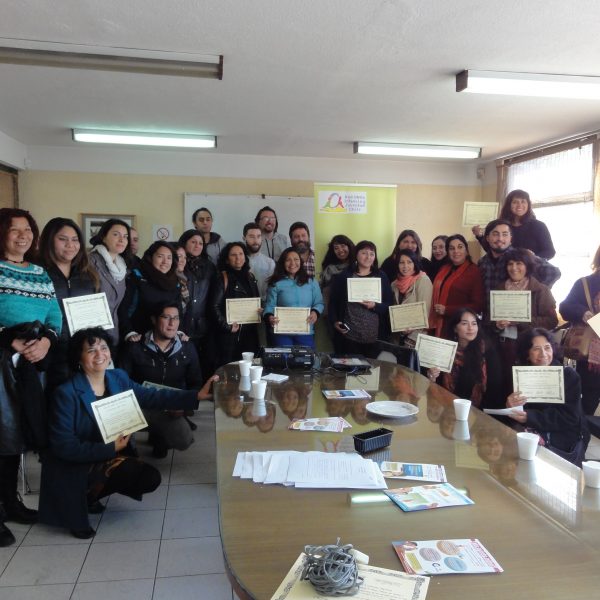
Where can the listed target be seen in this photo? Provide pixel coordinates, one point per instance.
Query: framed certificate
(412, 315)
(436, 352)
(479, 213)
(364, 289)
(540, 384)
(87, 311)
(118, 415)
(292, 320)
(242, 310)
(510, 306)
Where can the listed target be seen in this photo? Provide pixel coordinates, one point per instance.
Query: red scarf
(405, 283)
(441, 289)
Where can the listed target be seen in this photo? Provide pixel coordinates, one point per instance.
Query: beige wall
(428, 209)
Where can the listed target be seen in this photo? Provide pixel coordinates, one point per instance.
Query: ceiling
(306, 78)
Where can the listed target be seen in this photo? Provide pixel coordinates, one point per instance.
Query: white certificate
(118, 415)
(364, 289)
(540, 384)
(479, 213)
(436, 352)
(510, 306)
(242, 310)
(292, 320)
(87, 311)
(594, 323)
(412, 315)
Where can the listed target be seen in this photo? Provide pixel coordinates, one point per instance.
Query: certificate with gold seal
(242, 310)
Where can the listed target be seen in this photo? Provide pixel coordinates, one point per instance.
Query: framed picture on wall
(90, 224)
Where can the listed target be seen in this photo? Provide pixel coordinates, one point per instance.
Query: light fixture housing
(528, 84)
(416, 150)
(100, 58)
(137, 138)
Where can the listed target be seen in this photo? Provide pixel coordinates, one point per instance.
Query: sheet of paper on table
(416, 471)
(378, 584)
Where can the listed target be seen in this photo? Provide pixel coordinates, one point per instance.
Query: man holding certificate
(559, 421)
(359, 304)
(81, 466)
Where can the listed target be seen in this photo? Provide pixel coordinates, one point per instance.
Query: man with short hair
(273, 243)
(300, 239)
(261, 265)
(213, 242)
(160, 357)
(498, 235)
(134, 246)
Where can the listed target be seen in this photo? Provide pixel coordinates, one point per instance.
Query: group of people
(172, 329)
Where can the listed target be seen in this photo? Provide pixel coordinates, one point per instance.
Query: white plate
(390, 408)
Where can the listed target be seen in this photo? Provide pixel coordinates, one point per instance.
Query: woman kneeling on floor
(79, 467)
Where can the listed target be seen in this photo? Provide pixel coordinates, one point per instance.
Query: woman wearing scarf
(457, 285)
(109, 257)
(476, 373)
(154, 284)
(412, 285)
(201, 277)
(234, 281)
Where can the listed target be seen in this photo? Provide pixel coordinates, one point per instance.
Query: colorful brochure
(424, 497)
(445, 557)
(417, 471)
(320, 424)
(346, 395)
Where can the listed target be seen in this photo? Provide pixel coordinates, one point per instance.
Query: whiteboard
(231, 213)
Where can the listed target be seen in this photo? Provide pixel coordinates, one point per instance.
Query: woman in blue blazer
(79, 468)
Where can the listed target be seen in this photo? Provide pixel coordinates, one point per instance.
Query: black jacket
(200, 285)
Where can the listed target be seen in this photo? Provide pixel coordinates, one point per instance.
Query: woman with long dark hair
(439, 256)
(110, 257)
(358, 325)
(457, 285)
(154, 284)
(407, 240)
(234, 281)
(527, 231)
(30, 322)
(291, 286)
(340, 254)
(475, 373)
(62, 253)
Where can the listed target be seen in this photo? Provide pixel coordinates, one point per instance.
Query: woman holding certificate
(457, 285)
(290, 287)
(412, 285)
(80, 468)
(30, 319)
(110, 258)
(236, 305)
(475, 373)
(359, 303)
(561, 426)
(62, 254)
(542, 306)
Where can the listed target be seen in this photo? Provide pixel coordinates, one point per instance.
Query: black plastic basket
(372, 440)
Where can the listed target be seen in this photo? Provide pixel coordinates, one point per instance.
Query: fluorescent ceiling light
(99, 58)
(528, 84)
(416, 150)
(135, 138)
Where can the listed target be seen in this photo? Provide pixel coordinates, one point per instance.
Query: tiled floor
(165, 547)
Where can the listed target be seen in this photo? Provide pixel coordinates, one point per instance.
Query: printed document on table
(416, 471)
(540, 384)
(436, 352)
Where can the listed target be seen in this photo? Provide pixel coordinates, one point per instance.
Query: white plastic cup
(244, 368)
(245, 384)
(255, 372)
(461, 431)
(461, 409)
(249, 356)
(259, 408)
(591, 473)
(528, 444)
(259, 388)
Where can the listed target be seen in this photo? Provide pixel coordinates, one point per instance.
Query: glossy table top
(535, 517)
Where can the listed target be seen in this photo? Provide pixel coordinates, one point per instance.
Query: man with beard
(498, 235)
(300, 239)
(261, 265)
(273, 243)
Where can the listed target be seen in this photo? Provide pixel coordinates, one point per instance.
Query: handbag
(576, 454)
(576, 343)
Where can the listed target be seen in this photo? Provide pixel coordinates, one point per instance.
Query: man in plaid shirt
(300, 239)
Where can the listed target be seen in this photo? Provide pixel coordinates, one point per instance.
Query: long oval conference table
(535, 517)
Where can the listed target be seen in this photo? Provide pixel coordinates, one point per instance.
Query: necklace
(15, 262)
